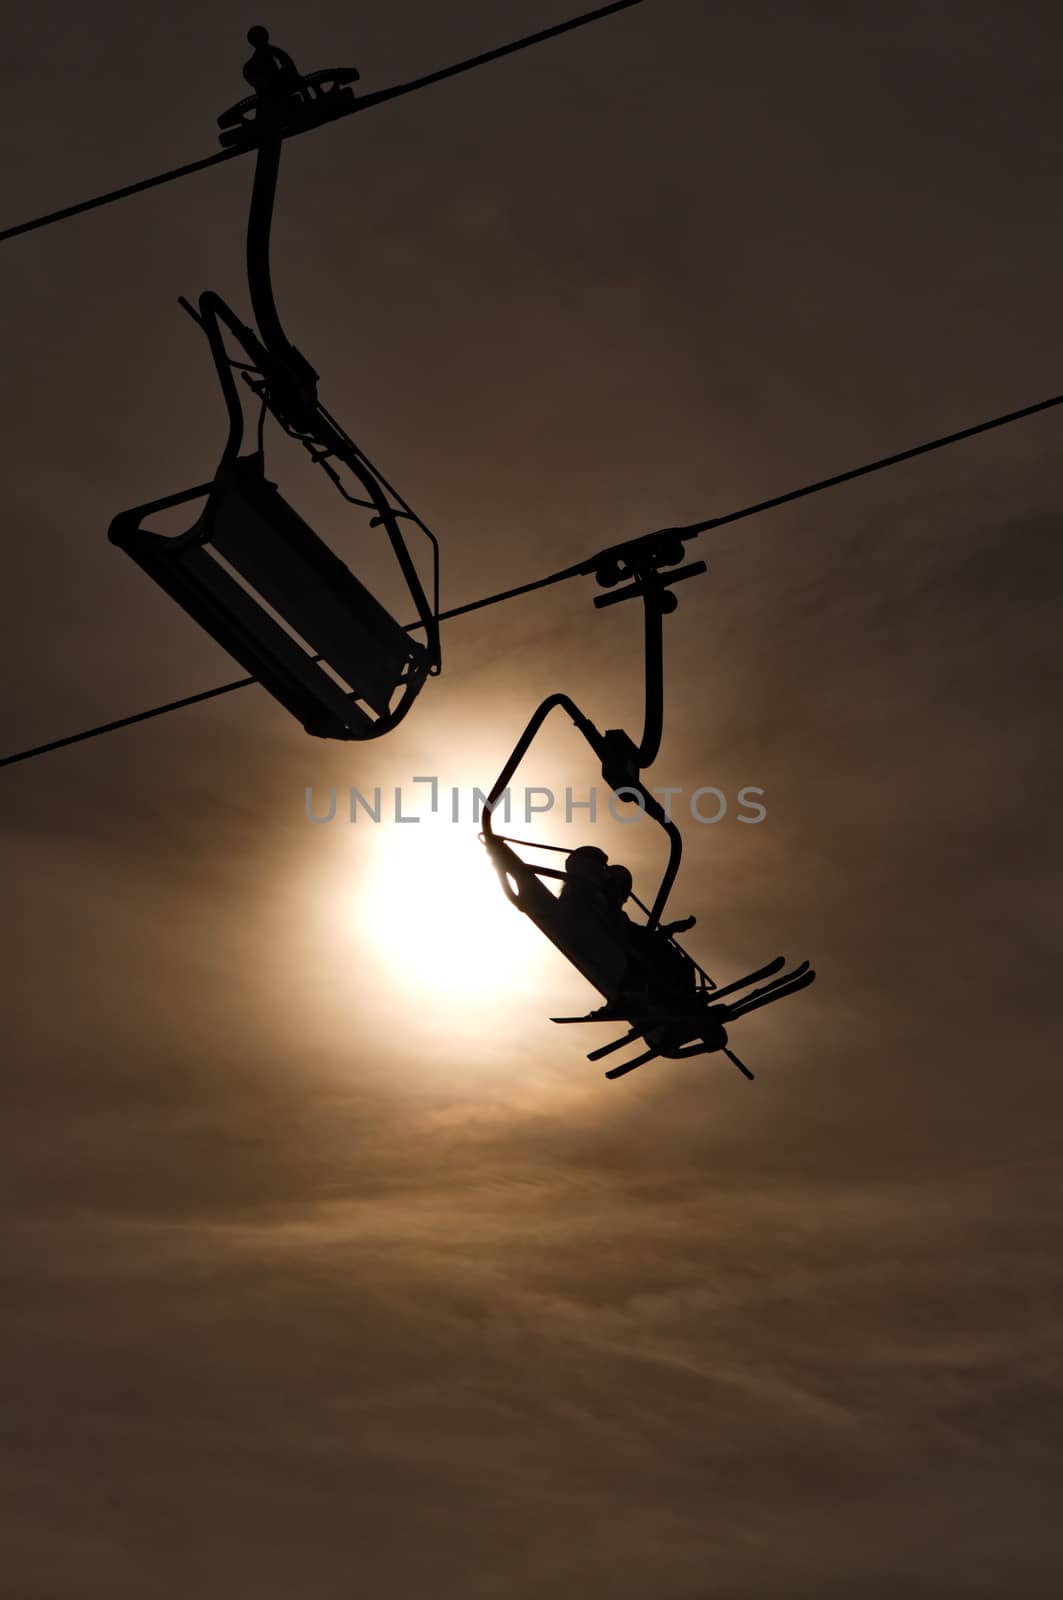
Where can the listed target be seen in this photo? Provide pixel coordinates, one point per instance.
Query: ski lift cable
(363, 103)
(581, 569)
(694, 529)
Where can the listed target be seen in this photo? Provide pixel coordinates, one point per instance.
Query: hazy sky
(330, 1266)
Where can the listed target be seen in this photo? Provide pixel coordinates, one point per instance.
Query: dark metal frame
(669, 1023)
(282, 569)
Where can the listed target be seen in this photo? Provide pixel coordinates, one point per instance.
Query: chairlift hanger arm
(290, 366)
(212, 306)
(259, 230)
(523, 744)
(338, 443)
(323, 437)
(603, 746)
(288, 389)
(212, 312)
(633, 570)
(675, 856)
(653, 717)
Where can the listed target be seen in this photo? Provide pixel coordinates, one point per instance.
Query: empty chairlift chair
(271, 592)
(249, 570)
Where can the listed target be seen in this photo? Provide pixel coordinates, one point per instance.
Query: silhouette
(249, 569)
(644, 975)
(619, 889)
(285, 101)
(586, 883)
(271, 72)
(656, 960)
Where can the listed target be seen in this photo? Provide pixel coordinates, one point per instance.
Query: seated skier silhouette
(271, 73)
(586, 884)
(593, 897)
(655, 960)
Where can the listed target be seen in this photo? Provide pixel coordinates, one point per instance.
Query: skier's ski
(766, 997)
(629, 1066)
(617, 1044)
(751, 977)
(782, 982)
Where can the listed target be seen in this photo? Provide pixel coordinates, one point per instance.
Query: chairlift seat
(673, 1025)
(594, 948)
(259, 580)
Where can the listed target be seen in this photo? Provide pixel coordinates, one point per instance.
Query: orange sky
(323, 1276)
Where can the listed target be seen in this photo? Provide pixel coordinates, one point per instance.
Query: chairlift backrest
(587, 939)
(273, 594)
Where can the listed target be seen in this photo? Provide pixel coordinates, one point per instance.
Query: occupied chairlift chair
(249, 570)
(673, 1005)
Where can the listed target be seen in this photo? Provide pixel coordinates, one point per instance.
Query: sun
(431, 912)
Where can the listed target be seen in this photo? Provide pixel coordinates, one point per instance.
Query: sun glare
(430, 910)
